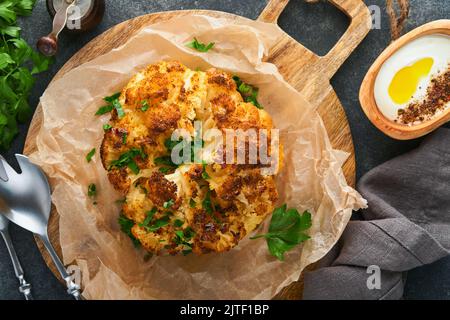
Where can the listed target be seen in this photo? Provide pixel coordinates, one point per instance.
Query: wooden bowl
(367, 97)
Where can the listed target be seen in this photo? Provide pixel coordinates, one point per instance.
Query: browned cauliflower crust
(201, 208)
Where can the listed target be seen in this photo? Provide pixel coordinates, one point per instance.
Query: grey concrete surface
(317, 26)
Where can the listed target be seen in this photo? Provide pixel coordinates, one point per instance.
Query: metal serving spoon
(25, 287)
(25, 199)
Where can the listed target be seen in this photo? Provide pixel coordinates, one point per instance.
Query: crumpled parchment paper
(90, 237)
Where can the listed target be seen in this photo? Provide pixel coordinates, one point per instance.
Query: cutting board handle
(360, 25)
(272, 11)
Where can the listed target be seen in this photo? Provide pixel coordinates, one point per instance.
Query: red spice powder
(438, 95)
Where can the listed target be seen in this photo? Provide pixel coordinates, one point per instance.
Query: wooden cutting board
(308, 73)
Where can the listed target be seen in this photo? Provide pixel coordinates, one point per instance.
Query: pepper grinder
(76, 16)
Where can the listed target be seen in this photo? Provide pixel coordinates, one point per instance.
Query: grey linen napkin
(406, 225)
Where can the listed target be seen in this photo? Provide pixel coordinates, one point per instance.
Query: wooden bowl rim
(367, 97)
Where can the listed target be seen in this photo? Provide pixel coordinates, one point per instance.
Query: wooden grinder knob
(48, 45)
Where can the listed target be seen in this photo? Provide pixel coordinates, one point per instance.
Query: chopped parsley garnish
(164, 170)
(248, 92)
(158, 224)
(126, 225)
(253, 99)
(168, 204)
(205, 174)
(180, 234)
(128, 159)
(170, 144)
(90, 155)
(207, 204)
(152, 225)
(183, 237)
(107, 127)
(111, 98)
(92, 190)
(201, 47)
(119, 109)
(165, 161)
(192, 203)
(113, 103)
(286, 230)
(178, 223)
(149, 218)
(145, 105)
(189, 233)
(133, 167)
(104, 109)
(124, 138)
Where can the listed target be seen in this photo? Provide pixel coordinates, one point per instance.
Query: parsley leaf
(164, 170)
(149, 218)
(178, 223)
(145, 105)
(126, 225)
(92, 190)
(205, 174)
(113, 103)
(107, 127)
(248, 92)
(158, 224)
(128, 159)
(18, 63)
(166, 160)
(183, 237)
(208, 206)
(111, 98)
(90, 155)
(168, 204)
(286, 230)
(201, 47)
(119, 109)
(104, 109)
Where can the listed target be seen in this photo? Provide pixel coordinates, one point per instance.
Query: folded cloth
(407, 225)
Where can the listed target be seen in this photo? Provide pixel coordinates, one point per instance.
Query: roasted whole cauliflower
(193, 207)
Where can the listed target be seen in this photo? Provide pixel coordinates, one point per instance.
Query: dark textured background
(318, 27)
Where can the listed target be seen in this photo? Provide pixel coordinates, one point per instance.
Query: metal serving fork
(24, 287)
(25, 199)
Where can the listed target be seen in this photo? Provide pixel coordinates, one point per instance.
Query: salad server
(25, 199)
(24, 287)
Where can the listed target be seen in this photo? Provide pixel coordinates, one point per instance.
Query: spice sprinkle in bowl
(406, 92)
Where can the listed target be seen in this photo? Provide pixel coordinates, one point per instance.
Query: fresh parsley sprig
(113, 103)
(90, 155)
(201, 47)
(286, 231)
(92, 190)
(128, 159)
(248, 92)
(18, 63)
(126, 225)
